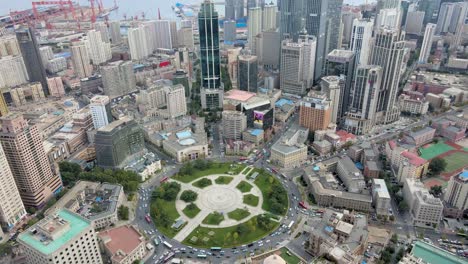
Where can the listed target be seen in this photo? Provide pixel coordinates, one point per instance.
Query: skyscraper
(361, 37)
(32, 57)
(414, 22)
(98, 50)
(456, 195)
(114, 32)
(175, 98)
(239, 9)
(229, 31)
(247, 72)
(100, 111)
(80, 59)
(163, 34)
(230, 10)
(139, 42)
(361, 115)
(430, 8)
(427, 43)
(388, 14)
(254, 25)
(28, 161)
(251, 4)
(101, 27)
(11, 206)
(118, 78)
(185, 35)
(3, 105)
(209, 56)
(333, 25)
(332, 86)
(269, 17)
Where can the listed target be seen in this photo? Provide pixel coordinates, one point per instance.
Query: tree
(437, 165)
(242, 229)
(264, 221)
(394, 238)
(403, 206)
(188, 196)
(123, 212)
(436, 190)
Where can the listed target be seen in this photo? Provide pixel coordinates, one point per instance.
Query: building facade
(234, 123)
(247, 79)
(315, 112)
(118, 78)
(100, 111)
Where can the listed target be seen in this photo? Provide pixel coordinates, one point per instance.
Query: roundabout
(219, 198)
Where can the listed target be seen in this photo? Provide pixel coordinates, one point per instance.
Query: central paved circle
(219, 198)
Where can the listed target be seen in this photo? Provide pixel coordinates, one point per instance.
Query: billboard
(258, 118)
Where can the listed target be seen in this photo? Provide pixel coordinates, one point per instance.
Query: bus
(215, 249)
(290, 224)
(148, 218)
(303, 205)
(274, 170)
(202, 256)
(156, 242)
(243, 158)
(169, 246)
(163, 180)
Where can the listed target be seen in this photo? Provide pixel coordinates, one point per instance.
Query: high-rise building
(211, 90)
(185, 35)
(81, 60)
(389, 14)
(100, 111)
(427, 43)
(229, 31)
(118, 78)
(13, 71)
(28, 161)
(347, 20)
(163, 34)
(98, 50)
(341, 63)
(174, 37)
(239, 9)
(139, 42)
(247, 79)
(46, 54)
(176, 103)
(361, 37)
(9, 46)
(388, 51)
(460, 25)
(315, 112)
(364, 94)
(230, 10)
(431, 10)
(56, 88)
(456, 194)
(3, 105)
(333, 32)
(114, 32)
(271, 43)
(251, 4)
(332, 86)
(32, 57)
(118, 142)
(449, 17)
(414, 22)
(297, 64)
(234, 123)
(11, 207)
(181, 77)
(254, 27)
(64, 237)
(269, 17)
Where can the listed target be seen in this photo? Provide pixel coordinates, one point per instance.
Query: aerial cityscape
(234, 131)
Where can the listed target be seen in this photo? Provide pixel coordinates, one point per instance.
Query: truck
(149, 246)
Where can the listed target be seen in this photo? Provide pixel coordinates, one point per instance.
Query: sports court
(456, 161)
(432, 150)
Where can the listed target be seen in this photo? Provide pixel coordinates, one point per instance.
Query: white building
(413, 106)
(118, 78)
(414, 22)
(9, 46)
(176, 103)
(163, 34)
(63, 238)
(46, 54)
(427, 43)
(331, 86)
(456, 194)
(254, 27)
(139, 41)
(12, 71)
(81, 60)
(98, 50)
(103, 30)
(100, 111)
(185, 35)
(425, 209)
(361, 37)
(114, 32)
(381, 197)
(234, 123)
(269, 17)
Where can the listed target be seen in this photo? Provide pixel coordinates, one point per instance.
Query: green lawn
(251, 199)
(291, 258)
(238, 214)
(223, 180)
(202, 183)
(264, 182)
(169, 208)
(434, 150)
(191, 210)
(216, 168)
(224, 237)
(456, 161)
(213, 219)
(244, 186)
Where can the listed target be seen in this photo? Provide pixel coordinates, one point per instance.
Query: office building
(297, 64)
(270, 44)
(3, 105)
(431, 10)
(333, 32)
(414, 22)
(388, 51)
(234, 123)
(348, 16)
(460, 28)
(361, 37)
(211, 87)
(239, 9)
(56, 88)
(163, 34)
(138, 42)
(290, 151)
(62, 238)
(389, 14)
(332, 86)
(114, 32)
(360, 118)
(13, 71)
(269, 17)
(175, 98)
(118, 78)
(456, 194)
(80, 59)
(315, 112)
(118, 142)
(32, 57)
(449, 17)
(247, 79)
(11, 207)
(381, 197)
(229, 31)
(123, 244)
(254, 27)
(100, 111)
(9, 46)
(22, 144)
(427, 43)
(250, 4)
(174, 37)
(185, 35)
(230, 10)
(341, 63)
(99, 51)
(424, 208)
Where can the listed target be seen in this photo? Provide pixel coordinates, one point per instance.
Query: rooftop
(256, 132)
(123, 239)
(239, 95)
(381, 188)
(115, 124)
(53, 232)
(292, 140)
(283, 101)
(413, 158)
(434, 255)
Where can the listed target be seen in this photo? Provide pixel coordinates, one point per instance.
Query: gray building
(118, 142)
(239, 9)
(180, 77)
(271, 43)
(32, 57)
(118, 78)
(230, 10)
(91, 84)
(229, 31)
(247, 79)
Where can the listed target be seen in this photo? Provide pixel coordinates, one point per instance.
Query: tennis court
(456, 161)
(431, 151)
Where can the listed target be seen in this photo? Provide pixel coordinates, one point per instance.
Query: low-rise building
(412, 106)
(123, 244)
(346, 170)
(185, 145)
(411, 166)
(239, 147)
(423, 253)
(253, 135)
(381, 197)
(420, 137)
(290, 150)
(323, 147)
(372, 170)
(425, 209)
(284, 108)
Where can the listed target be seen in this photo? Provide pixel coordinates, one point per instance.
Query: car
(244, 250)
(252, 254)
(268, 241)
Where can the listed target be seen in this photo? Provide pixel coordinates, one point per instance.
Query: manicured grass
(456, 161)
(191, 210)
(265, 183)
(291, 258)
(169, 208)
(225, 237)
(216, 168)
(202, 183)
(244, 186)
(251, 199)
(434, 150)
(223, 180)
(213, 219)
(238, 214)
